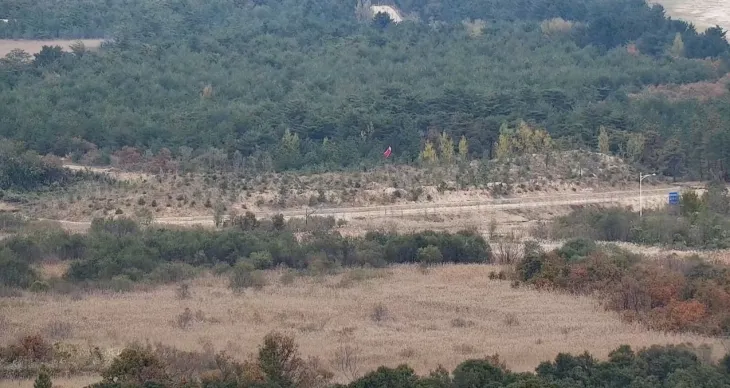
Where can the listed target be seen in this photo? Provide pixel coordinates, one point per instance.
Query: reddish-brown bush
(31, 348)
(663, 286)
(668, 295)
(685, 314)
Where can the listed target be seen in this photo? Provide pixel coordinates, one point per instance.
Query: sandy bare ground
(118, 174)
(702, 13)
(482, 211)
(454, 309)
(34, 46)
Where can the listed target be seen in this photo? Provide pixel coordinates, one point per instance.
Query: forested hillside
(317, 84)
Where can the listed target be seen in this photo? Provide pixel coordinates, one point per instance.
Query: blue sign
(674, 198)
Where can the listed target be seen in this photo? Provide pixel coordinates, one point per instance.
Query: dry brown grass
(445, 309)
(58, 382)
(179, 196)
(703, 90)
(34, 46)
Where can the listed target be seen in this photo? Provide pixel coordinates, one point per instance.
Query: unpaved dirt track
(625, 197)
(34, 46)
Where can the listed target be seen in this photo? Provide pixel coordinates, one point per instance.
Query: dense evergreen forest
(288, 84)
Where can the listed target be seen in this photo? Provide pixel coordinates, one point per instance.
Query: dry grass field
(396, 315)
(34, 46)
(58, 382)
(703, 13)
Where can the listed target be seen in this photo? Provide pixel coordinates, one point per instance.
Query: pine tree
(43, 380)
(447, 148)
(429, 153)
(677, 49)
(463, 148)
(603, 141)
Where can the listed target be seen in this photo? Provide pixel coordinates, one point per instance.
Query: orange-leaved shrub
(672, 294)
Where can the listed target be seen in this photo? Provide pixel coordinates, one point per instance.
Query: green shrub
(14, 271)
(529, 267)
(172, 273)
(461, 247)
(577, 249)
(136, 366)
(478, 373)
(121, 249)
(25, 170)
(429, 255)
(701, 224)
(401, 377)
(39, 286)
(277, 222)
(43, 380)
(120, 283)
(245, 275)
(261, 260)
(221, 268)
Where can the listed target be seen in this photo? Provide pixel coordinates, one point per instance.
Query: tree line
(117, 252)
(278, 363)
(286, 85)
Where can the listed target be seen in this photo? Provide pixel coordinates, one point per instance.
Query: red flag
(387, 152)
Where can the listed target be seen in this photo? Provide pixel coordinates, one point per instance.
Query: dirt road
(624, 198)
(34, 46)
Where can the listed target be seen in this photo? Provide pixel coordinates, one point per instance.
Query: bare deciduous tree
(347, 361)
(508, 249)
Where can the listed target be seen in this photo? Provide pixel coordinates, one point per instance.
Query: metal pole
(641, 199)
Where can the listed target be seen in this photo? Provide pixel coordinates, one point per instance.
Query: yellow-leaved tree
(532, 140)
(522, 141)
(604, 142)
(504, 143)
(447, 148)
(635, 146)
(428, 154)
(463, 148)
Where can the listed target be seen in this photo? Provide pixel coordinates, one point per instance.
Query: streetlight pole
(641, 198)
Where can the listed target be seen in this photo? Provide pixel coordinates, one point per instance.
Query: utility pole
(641, 198)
